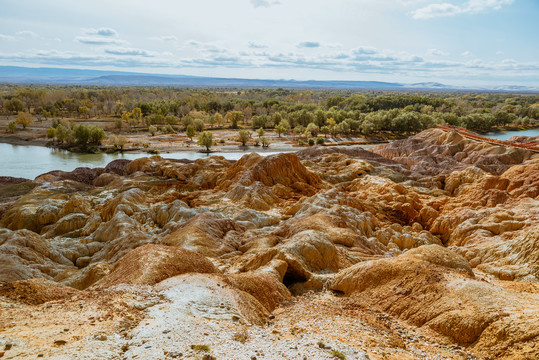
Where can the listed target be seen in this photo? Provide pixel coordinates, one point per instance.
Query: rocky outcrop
(436, 151)
(150, 264)
(435, 231)
(434, 287)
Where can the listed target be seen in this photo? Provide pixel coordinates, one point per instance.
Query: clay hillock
(86, 175)
(35, 291)
(150, 264)
(524, 139)
(436, 288)
(206, 233)
(435, 151)
(9, 180)
(316, 153)
(426, 253)
(282, 169)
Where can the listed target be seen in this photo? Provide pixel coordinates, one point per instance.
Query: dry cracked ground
(426, 248)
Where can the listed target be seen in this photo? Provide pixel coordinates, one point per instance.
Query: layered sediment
(425, 247)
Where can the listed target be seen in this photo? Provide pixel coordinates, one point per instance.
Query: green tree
(83, 111)
(276, 118)
(312, 129)
(152, 130)
(97, 135)
(81, 134)
(198, 124)
(205, 138)
(284, 123)
(243, 136)
(265, 141)
(11, 127)
(218, 119)
(279, 129)
(63, 133)
(261, 132)
(324, 130)
(234, 117)
(24, 119)
(137, 114)
(15, 105)
(190, 132)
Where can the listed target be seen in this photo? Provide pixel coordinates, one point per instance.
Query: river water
(505, 135)
(28, 161)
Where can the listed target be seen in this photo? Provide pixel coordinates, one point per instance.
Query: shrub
(200, 347)
(320, 140)
(167, 129)
(241, 336)
(337, 354)
(265, 142)
(311, 142)
(222, 141)
(152, 130)
(198, 124)
(118, 141)
(312, 129)
(12, 127)
(51, 133)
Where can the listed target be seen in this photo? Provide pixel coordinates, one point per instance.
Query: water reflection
(30, 161)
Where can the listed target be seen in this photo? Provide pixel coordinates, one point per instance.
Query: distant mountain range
(55, 76)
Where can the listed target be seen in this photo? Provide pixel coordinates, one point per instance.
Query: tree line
(304, 112)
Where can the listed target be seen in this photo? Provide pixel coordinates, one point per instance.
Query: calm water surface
(505, 135)
(30, 161)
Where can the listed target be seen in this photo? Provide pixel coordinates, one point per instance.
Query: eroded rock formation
(435, 232)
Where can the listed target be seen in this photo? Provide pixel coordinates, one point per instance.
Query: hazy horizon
(462, 43)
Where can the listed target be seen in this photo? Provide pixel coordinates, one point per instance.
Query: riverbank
(224, 140)
(509, 128)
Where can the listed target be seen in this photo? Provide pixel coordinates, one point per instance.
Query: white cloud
(466, 53)
(128, 51)
(27, 33)
(264, 3)
(168, 38)
(7, 37)
(448, 9)
(101, 32)
(437, 52)
(254, 45)
(93, 40)
(309, 44)
(365, 61)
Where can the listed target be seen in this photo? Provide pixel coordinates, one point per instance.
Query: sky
(455, 42)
